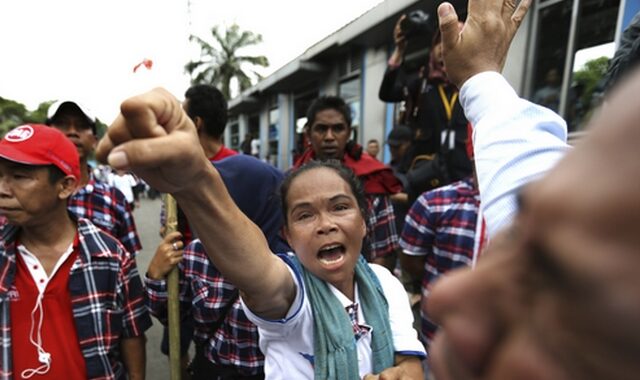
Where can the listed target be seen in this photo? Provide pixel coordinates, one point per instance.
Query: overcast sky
(86, 49)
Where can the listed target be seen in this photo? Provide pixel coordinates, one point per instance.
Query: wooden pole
(171, 209)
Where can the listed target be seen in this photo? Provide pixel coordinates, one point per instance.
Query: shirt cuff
(409, 252)
(483, 93)
(156, 286)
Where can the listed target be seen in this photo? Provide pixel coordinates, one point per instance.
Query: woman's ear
(364, 227)
(285, 233)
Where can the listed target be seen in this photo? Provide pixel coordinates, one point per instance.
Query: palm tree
(219, 63)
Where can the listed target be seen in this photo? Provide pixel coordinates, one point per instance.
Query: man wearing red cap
(73, 304)
(95, 200)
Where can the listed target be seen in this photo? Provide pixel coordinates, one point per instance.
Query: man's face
(27, 197)
(73, 123)
(557, 295)
(329, 134)
(373, 149)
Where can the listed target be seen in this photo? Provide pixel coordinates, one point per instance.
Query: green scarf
(334, 343)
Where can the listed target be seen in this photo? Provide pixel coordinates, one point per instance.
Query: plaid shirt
(106, 296)
(108, 209)
(441, 225)
(204, 293)
(381, 227)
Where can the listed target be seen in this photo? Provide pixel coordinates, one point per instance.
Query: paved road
(148, 224)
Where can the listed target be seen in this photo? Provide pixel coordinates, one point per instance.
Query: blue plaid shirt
(441, 225)
(106, 296)
(204, 293)
(107, 208)
(381, 227)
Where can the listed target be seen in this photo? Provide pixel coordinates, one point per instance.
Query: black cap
(399, 134)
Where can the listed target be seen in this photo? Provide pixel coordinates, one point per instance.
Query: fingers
(171, 237)
(168, 254)
(399, 22)
(398, 36)
(104, 147)
(520, 12)
(449, 27)
(173, 243)
(150, 115)
(149, 152)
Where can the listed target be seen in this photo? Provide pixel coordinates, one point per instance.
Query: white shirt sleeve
(405, 337)
(515, 142)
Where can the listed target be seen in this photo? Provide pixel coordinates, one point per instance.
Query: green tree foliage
(589, 76)
(101, 128)
(13, 114)
(220, 61)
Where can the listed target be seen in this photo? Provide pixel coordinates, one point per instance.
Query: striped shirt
(381, 227)
(515, 142)
(204, 293)
(108, 209)
(441, 225)
(107, 299)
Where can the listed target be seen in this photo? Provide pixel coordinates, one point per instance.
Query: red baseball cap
(38, 144)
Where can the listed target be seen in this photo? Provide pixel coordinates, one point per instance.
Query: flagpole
(171, 225)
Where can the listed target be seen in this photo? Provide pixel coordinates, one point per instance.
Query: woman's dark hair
(345, 173)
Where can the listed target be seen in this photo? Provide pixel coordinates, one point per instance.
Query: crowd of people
(524, 262)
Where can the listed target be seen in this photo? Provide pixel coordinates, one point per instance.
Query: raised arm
(515, 141)
(154, 138)
(393, 82)
(483, 42)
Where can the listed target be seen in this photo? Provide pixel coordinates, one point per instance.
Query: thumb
(150, 152)
(449, 27)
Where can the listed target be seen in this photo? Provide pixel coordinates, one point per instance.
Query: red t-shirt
(59, 337)
(224, 152)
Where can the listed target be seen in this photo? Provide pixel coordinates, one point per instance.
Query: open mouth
(331, 254)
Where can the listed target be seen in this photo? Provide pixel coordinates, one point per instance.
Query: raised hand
(401, 43)
(154, 138)
(398, 37)
(168, 255)
(483, 42)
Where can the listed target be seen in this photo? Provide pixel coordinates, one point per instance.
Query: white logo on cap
(21, 133)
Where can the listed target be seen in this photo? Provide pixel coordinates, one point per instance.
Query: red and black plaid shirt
(107, 299)
(108, 209)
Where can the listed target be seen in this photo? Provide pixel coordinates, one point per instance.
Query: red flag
(146, 62)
